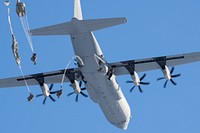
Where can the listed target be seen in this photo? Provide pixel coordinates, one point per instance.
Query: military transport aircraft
(94, 71)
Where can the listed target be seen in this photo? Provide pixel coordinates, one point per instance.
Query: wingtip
(125, 20)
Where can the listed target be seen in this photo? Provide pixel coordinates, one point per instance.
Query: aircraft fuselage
(102, 90)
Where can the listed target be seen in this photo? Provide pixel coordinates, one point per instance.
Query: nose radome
(123, 125)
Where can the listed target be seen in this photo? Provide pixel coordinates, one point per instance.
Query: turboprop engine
(46, 92)
(137, 81)
(45, 89)
(168, 75)
(77, 89)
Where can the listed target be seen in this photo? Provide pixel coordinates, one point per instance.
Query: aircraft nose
(123, 125)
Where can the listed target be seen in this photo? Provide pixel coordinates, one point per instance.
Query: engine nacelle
(135, 78)
(166, 73)
(45, 89)
(76, 87)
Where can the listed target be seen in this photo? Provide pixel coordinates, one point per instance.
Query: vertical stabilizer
(77, 10)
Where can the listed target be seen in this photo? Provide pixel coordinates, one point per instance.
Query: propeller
(140, 83)
(51, 92)
(171, 79)
(77, 95)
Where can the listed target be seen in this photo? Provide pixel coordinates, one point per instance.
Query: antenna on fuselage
(77, 10)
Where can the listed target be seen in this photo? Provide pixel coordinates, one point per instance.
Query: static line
(9, 21)
(61, 85)
(26, 31)
(24, 79)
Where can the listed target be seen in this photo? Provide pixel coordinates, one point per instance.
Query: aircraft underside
(102, 89)
(98, 75)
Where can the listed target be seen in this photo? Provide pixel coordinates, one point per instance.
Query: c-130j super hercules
(98, 75)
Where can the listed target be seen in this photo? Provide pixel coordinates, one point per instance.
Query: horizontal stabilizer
(97, 24)
(58, 29)
(78, 26)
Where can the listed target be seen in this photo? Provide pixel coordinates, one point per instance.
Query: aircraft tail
(77, 10)
(77, 24)
(69, 28)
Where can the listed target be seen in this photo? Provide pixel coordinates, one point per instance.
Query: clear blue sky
(154, 28)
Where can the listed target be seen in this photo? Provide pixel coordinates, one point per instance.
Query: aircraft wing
(141, 65)
(120, 68)
(36, 79)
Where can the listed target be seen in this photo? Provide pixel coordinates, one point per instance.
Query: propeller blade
(140, 89)
(44, 101)
(70, 93)
(54, 92)
(80, 84)
(83, 89)
(77, 98)
(129, 81)
(144, 83)
(160, 78)
(50, 88)
(143, 77)
(132, 88)
(173, 82)
(165, 84)
(39, 95)
(177, 75)
(83, 94)
(83, 79)
(52, 98)
(172, 70)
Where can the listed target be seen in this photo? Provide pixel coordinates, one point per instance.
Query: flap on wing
(48, 78)
(147, 64)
